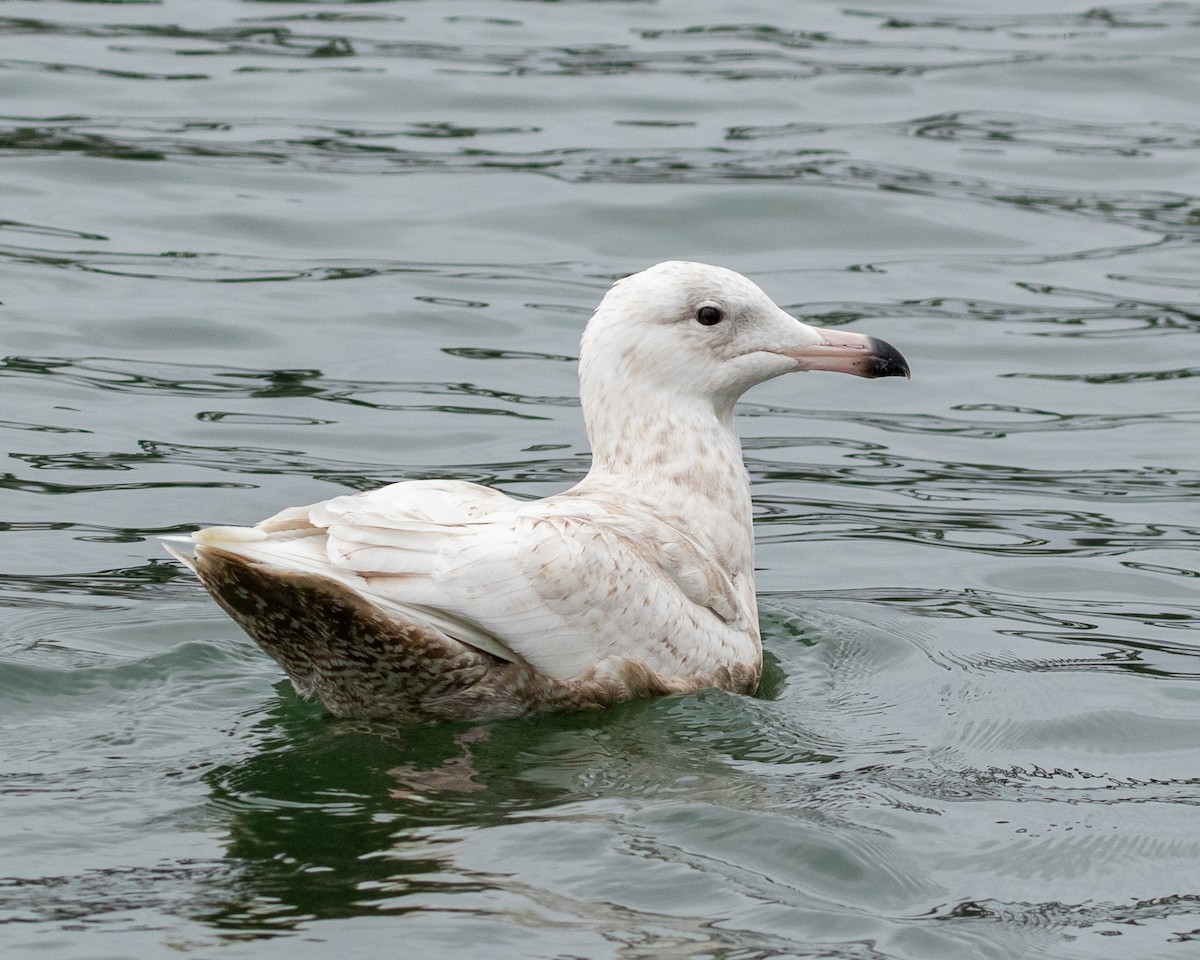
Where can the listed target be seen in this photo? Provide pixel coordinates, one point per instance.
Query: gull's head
(694, 329)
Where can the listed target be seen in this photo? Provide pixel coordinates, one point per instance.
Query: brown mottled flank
(446, 599)
(361, 664)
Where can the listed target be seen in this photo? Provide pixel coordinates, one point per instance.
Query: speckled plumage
(445, 599)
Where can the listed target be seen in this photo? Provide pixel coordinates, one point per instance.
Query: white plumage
(449, 599)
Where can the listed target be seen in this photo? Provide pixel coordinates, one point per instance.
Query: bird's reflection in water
(455, 775)
(314, 816)
(328, 819)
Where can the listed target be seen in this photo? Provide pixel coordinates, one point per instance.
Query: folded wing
(554, 583)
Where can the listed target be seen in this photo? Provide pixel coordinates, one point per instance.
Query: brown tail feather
(336, 645)
(361, 662)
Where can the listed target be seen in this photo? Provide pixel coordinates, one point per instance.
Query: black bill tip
(886, 361)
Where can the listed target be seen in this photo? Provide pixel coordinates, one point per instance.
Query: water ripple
(1114, 316)
(1006, 130)
(269, 461)
(1086, 23)
(1148, 638)
(329, 150)
(945, 480)
(980, 428)
(743, 53)
(206, 267)
(1010, 532)
(1074, 916)
(140, 377)
(128, 581)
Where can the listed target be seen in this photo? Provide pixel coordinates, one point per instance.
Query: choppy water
(254, 254)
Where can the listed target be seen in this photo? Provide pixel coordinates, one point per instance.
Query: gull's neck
(677, 458)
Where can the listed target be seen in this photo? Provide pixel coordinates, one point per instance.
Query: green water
(257, 254)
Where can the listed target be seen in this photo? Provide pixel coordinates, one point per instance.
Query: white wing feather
(560, 583)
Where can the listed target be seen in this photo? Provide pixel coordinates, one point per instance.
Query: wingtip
(186, 559)
(218, 536)
(226, 537)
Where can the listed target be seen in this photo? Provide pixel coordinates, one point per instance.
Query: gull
(443, 599)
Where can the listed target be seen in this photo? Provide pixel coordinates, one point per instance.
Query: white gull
(447, 599)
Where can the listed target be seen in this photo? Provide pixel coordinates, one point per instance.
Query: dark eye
(708, 315)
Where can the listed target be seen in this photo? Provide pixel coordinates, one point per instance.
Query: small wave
(330, 150)
(1004, 131)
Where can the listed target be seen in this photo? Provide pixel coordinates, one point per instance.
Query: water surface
(255, 254)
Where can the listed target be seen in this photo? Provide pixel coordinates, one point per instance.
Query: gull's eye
(709, 315)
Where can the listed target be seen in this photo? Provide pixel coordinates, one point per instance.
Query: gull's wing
(431, 501)
(295, 540)
(562, 585)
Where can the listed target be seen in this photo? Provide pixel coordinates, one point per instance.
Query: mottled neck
(681, 462)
